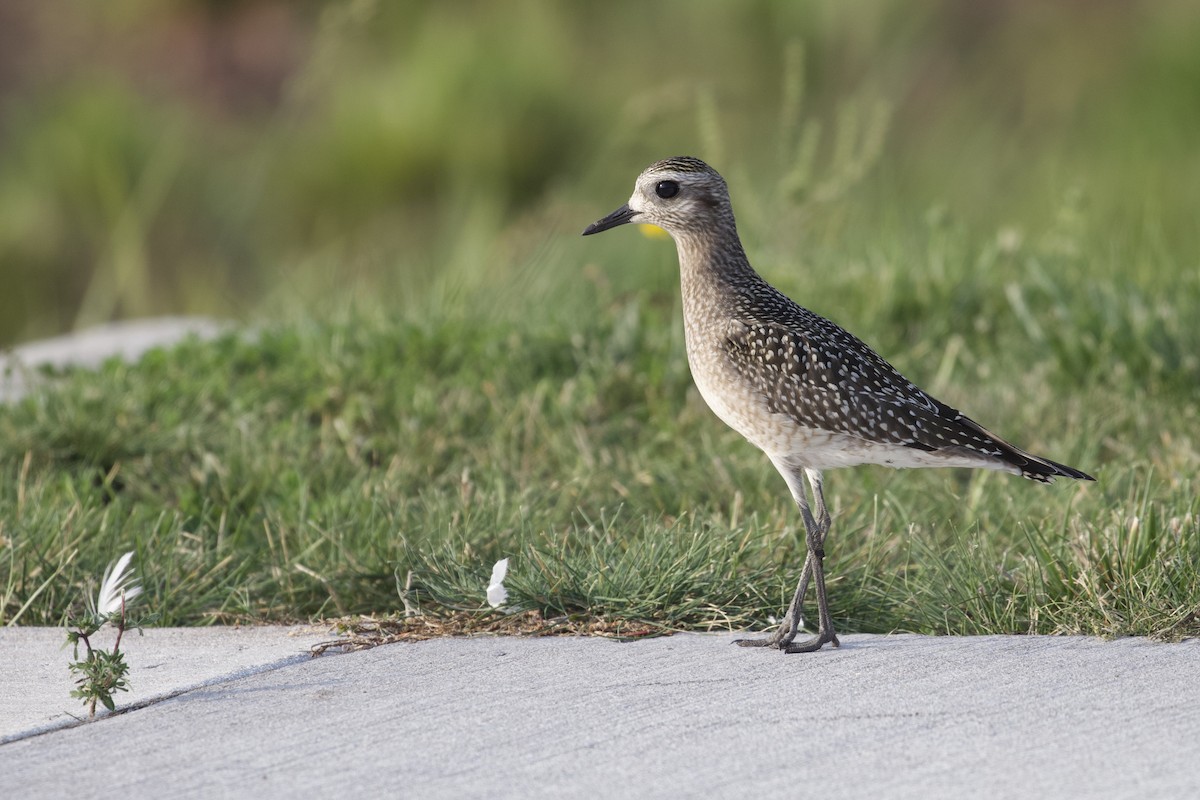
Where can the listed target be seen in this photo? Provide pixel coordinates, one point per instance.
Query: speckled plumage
(808, 393)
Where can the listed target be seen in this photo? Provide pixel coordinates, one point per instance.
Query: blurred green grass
(1000, 197)
(223, 158)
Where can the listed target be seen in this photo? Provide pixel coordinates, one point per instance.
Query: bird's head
(681, 195)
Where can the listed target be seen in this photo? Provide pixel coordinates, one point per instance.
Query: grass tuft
(359, 466)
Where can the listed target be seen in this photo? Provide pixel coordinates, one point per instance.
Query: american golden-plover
(807, 393)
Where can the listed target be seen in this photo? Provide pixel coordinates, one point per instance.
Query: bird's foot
(766, 641)
(814, 644)
(780, 639)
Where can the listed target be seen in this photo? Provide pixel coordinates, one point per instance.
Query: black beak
(619, 217)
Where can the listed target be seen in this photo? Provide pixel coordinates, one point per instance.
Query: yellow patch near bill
(652, 231)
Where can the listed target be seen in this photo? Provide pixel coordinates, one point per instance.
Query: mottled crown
(683, 164)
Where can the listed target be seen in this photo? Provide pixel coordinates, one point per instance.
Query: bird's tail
(1034, 467)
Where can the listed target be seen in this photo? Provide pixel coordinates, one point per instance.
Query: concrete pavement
(35, 692)
(683, 716)
(128, 339)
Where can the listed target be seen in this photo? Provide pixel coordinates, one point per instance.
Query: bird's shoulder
(825, 377)
(769, 331)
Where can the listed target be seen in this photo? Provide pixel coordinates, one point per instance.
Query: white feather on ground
(496, 593)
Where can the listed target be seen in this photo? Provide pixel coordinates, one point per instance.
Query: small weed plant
(102, 673)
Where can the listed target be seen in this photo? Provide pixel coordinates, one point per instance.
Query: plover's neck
(713, 254)
(713, 275)
(712, 267)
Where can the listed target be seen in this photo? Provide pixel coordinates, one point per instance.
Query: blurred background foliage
(240, 159)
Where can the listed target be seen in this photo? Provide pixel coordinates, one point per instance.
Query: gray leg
(789, 626)
(825, 632)
(815, 530)
(823, 522)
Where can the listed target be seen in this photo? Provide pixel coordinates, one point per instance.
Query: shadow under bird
(803, 390)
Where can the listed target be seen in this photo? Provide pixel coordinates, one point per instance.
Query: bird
(805, 391)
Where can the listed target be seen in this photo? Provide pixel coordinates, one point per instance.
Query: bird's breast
(738, 404)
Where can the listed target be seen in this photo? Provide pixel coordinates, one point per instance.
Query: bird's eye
(666, 189)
